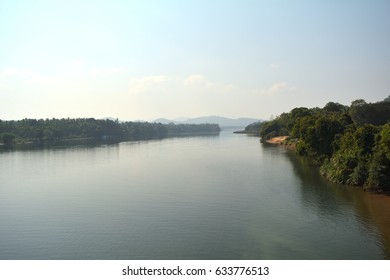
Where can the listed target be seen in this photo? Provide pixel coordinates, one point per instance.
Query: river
(212, 197)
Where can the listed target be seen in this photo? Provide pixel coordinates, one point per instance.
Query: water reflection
(92, 143)
(65, 144)
(335, 202)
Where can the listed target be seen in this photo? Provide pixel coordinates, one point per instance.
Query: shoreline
(277, 140)
(284, 141)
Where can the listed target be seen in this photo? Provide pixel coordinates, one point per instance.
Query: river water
(212, 197)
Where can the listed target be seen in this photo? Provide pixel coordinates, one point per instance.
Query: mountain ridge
(221, 121)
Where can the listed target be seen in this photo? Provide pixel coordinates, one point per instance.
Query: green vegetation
(7, 138)
(32, 130)
(350, 144)
(253, 128)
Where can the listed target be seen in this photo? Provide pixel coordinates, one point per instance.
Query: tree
(358, 102)
(8, 138)
(370, 113)
(335, 107)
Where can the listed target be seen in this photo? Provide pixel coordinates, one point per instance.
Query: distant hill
(164, 121)
(221, 121)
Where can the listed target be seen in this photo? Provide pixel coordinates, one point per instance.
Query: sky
(142, 60)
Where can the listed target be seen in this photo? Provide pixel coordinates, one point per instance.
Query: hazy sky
(148, 59)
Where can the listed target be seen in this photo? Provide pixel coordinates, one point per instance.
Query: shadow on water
(56, 145)
(92, 143)
(332, 200)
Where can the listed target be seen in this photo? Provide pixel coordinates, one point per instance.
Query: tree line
(33, 130)
(351, 144)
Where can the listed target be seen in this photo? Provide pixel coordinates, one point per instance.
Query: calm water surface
(217, 197)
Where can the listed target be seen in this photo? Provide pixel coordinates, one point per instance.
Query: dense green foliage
(253, 128)
(7, 138)
(351, 144)
(32, 130)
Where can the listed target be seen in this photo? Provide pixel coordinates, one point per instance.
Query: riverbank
(285, 141)
(277, 140)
